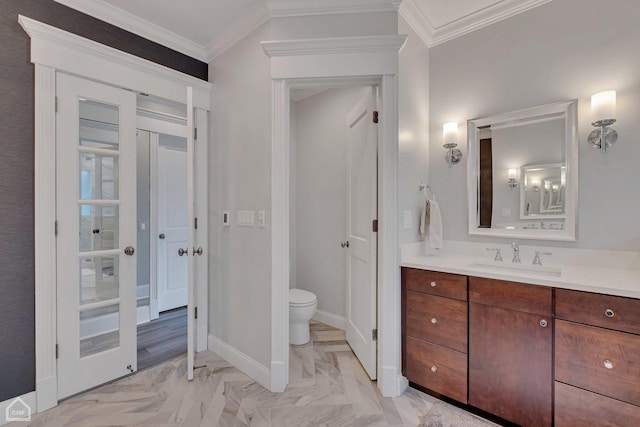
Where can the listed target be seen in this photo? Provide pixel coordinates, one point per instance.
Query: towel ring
(423, 188)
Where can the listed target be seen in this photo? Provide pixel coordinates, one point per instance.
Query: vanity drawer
(435, 283)
(608, 311)
(600, 360)
(441, 321)
(531, 299)
(437, 368)
(575, 407)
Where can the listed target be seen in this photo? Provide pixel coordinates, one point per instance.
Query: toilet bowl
(302, 306)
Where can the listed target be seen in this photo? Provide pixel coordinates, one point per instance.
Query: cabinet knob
(608, 364)
(434, 284)
(543, 323)
(434, 368)
(609, 313)
(434, 320)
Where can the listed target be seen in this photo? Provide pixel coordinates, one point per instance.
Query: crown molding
(68, 52)
(464, 25)
(134, 24)
(238, 31)
(290, 8)
(332, 46)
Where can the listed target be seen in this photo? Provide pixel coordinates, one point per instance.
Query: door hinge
(195, 133)
(195, 223)
(374, 334)
(55, 228)
(375, 117)
(196, 312)
(374, 226)
(57, 351)
(56, 102)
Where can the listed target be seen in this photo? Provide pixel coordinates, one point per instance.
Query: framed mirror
(522, 179)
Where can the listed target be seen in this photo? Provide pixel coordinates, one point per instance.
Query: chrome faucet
(536, 259)
(498, 256)
(516, 251)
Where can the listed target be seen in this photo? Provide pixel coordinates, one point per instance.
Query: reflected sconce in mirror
(603, 110)
(450, 136)
(535, 185)
(512, 178)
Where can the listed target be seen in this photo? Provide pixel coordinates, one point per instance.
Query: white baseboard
(331, 319)
(392, 383)
(241, 361)
(46, 393)
(29, 399)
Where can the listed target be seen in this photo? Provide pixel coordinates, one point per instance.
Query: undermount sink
(503, 266)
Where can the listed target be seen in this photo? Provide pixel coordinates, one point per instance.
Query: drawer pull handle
(434, 368)
(434, 284)
(609, 313)
(543, 323)
(608, 364)
(434, 320)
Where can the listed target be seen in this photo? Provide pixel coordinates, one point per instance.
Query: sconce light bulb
(603, 105)
(450, 134)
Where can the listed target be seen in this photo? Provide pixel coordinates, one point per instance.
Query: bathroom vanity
(533, 347)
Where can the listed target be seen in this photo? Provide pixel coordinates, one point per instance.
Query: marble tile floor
(327, 387)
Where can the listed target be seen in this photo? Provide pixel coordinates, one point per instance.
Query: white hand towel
(434, 220)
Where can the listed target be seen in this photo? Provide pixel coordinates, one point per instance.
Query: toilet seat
(301, 298)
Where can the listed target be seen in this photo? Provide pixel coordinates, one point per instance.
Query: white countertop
(605, 272)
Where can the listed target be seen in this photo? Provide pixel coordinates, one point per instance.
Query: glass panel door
(96, 199)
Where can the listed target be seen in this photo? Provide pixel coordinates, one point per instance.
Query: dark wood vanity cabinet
(532, 355)
(434, 332)
(597, 360)
(510, 350)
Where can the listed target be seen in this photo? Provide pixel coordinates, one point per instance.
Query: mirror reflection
(519, 185)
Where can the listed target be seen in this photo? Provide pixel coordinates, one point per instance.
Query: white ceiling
(205, 28)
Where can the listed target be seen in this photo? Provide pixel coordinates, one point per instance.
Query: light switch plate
(408, 220)
(246, 218)
(261, 219)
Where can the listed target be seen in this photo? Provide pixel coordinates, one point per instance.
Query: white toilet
(302, 307)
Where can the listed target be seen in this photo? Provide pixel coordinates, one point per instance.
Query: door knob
(183, 252)
(129, 250)
(96, 231)
(345, 244)
(161, 236)
(198, 251)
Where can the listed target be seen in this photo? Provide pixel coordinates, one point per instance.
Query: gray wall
(548, 54)
(17, 348)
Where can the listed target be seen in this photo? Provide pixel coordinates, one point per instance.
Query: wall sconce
(535, 185)
(512, 178)
(603, 110)
(450, 137)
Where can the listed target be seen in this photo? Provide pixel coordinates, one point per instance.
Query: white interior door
(362, 250)
(96, 215)
(173, 223)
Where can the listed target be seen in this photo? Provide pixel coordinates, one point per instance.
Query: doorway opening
(162, 230)
(333, 209)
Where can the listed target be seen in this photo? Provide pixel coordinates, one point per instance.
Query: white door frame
(340, 61)
(55, 50)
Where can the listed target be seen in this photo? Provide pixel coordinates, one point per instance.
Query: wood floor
(328, 387)
(162, 339)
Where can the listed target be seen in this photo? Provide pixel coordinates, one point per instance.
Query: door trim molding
(305, 63)
(55, 50)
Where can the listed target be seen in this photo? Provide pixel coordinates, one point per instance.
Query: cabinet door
(510, 364)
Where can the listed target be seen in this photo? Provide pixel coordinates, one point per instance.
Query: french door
(96, 218)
